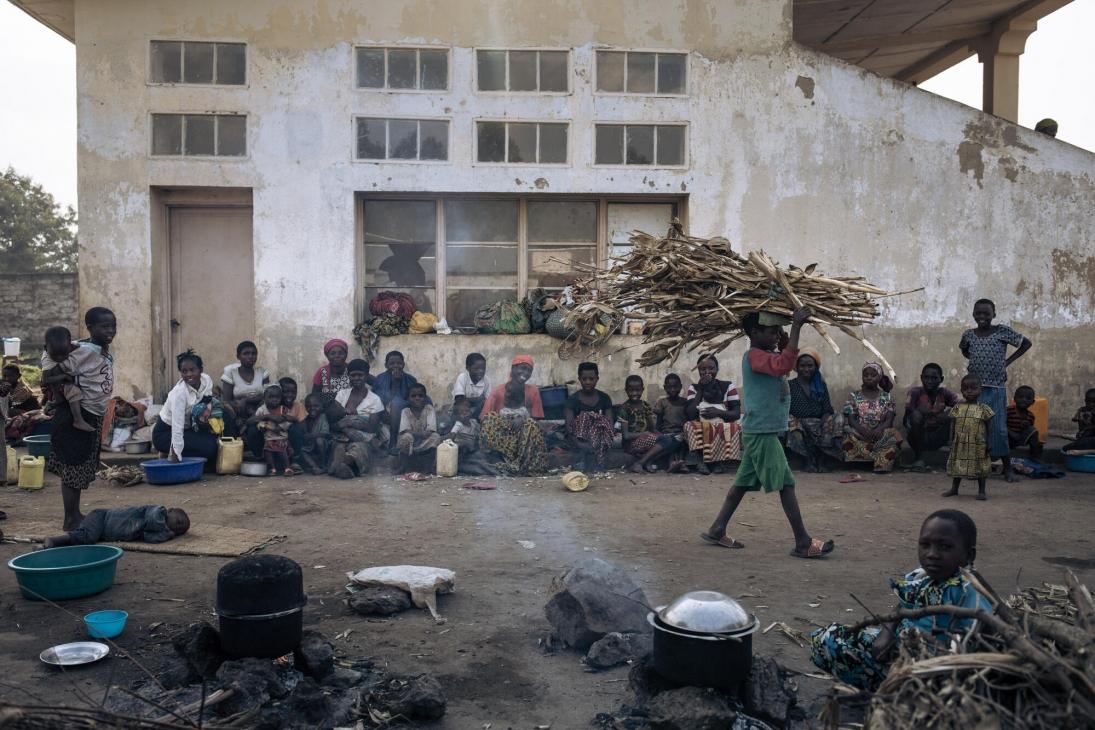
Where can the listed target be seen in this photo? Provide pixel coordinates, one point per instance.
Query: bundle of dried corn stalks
(692, 293)
(1019, 669)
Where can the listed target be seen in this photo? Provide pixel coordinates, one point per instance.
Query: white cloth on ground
(423, 583)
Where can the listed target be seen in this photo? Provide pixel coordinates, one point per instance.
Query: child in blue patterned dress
(948, 543)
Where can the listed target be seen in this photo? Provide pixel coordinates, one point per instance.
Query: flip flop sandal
(851, 478)
(818, 549)
(725, 541)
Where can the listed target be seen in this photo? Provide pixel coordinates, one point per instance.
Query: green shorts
(763, 464)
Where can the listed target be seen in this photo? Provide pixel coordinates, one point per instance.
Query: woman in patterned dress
(713, 432)
(986, 347)
(334, 376)
(813, 431)
(869, 414)
(970, 436)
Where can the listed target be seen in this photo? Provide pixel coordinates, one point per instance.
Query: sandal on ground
(851, 478)
(289, 471)
(817, 549)
(725, 541)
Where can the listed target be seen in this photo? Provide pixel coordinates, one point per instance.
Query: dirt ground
(486, 656)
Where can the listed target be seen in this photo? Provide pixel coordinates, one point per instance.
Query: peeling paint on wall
(805, 84)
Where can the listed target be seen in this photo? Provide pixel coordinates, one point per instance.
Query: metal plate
(74, 654)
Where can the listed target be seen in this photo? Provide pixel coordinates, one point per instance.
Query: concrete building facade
(231, 186)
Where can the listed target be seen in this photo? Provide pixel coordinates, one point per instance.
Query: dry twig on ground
(692, 293)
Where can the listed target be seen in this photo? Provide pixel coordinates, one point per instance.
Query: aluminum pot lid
(706, 611)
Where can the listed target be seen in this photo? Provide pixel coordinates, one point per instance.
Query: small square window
(167, 134)
(231, 64)
(522, 71)
(402, 139)
(521, 142)
(491, 141)
(671, 145)
(371, 139)
(434, 140)
(640, 73)
(610, 71)
(553, 143)
(491, 70)
(231, 135)
(402, 69)
(370, 68)
(198, 63)
(671, 73)
(554, 74)
(199, 134)
(433, 70)
(166, 62)
(609, 145)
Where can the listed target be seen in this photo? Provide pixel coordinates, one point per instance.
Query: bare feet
(951, 493)
(1009, 475)
(71, 524)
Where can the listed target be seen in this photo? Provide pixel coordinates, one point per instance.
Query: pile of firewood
(692, 294)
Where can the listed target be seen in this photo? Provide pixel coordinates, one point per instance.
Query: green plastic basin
(66, 572)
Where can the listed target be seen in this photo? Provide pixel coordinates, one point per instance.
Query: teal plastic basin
(66, 572)
(38, 445)
(105, 624)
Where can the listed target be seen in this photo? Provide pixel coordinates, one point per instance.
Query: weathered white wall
(809, 158)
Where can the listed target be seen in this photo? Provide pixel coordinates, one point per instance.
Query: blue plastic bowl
(165, 471)
(38, 445)
(66, 572)
(105, 624)
(1080, 462)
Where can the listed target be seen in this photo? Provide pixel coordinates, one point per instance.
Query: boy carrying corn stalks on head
(697, 294)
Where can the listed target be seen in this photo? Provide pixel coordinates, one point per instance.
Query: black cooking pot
(699, 659)
(260, 603)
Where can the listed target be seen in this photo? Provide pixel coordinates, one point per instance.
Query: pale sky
(38, 86)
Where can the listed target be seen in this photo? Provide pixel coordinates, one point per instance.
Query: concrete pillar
(999, 55)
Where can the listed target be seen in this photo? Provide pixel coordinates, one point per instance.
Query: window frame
(216, 135)
(506, 92)
(182, 63)
(602, 246)
(664, 51)
(475, 161)
(386, 47)
(685, 165)
(400, 161)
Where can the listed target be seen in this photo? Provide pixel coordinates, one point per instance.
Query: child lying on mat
(151, 523)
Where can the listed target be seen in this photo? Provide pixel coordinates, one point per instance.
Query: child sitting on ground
(638, 429)
(948, 543)
(316, 437)
(151, 523)
(589, 419)
(925, 414)
(1021, 430)
(473, 384)
(670, 412)
(418, 438)
(970, 424)
(1085, 420)
(59, 382)
(464, 432)
(272, 418)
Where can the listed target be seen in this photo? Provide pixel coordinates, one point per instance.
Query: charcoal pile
(692, 294)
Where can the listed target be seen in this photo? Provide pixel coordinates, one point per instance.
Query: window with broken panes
(649, 145)
(402, 69)
(198, 62)
(518, 143)
(642, 72)
(199, 135)
(454, 255)
(426, 140)
(523, 71)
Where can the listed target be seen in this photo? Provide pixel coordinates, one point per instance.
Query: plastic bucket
(11, 347)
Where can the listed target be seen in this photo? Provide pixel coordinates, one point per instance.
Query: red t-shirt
(496, 401)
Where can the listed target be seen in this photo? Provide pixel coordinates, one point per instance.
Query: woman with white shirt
(173, 433)
(244, 382)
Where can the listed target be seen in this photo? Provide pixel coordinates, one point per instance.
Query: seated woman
(243, 382)
(589, 417)
(713, 429)
(177, 432)
(861, 658)
(358, 430)
(869, 414)
(511, 435)
(333, 376)
(813, 431)
(393, 386)
(520, 372)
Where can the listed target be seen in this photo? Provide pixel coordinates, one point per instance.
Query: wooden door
(212, 274)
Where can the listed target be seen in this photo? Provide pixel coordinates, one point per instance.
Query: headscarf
(523, 360)
(817, 383)
(335, 343)
(884, 381)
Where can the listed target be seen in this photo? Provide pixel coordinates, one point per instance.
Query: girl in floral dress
(869, 414)
(970, 438)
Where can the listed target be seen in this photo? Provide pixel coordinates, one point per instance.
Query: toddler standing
(273, 422)
(970, 437)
